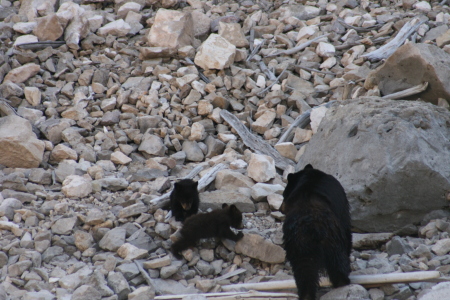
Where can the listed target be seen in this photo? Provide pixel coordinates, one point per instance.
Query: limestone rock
(233, 33)
(20, 147)
(261, 168)
(410, 65)
(48, 28)
(255, 246)
(33, 95)
(409, 147)
(113, 239)
(215, 53)
(118, 157)
(352, 291)
(64, 225)
(228, 179)
(264, 122)
(22, 73)
(152, 145)
(117, 28)
(215, 199)
(75, 186)
(172, 29)
(129, 252)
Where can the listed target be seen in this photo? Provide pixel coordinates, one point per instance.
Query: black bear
(184, 199)
(317, 230)
(213, 224)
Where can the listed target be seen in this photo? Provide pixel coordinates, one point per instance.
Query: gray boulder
(392, 158)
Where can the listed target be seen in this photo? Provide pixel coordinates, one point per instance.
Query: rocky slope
(106, 103)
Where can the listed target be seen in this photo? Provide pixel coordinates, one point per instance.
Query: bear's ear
(233, 208)
(308, 166)
(224, 205)
(290, 176)
(196, 183)
(176, 185)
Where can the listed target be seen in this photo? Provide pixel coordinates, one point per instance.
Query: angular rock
(172, 29)
(20, 147)
(142, 293)
(158, 262)
(113, 239)
(62, 152)
(215, 199)
(233, 33)
(33, 95)
(48, 28)
(264, 122)
(215, 53)
(75, 186)
(129, 252)
(64, 226)
(261, 168)
(152, 145)
(86, 292)
(287, 150)
(116, 28)
(119, 158)
(407, 132)
(193, 151)
(22, 73)
(255, 246)
(228, 179)
(118, 283)
(442, 247)
(412, 64)
(83, 240)
(352, 291)
(133, 210)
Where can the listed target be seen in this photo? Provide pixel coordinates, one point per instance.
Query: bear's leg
(306, 275)
(337, 264)
(228, 234)
(181, 245)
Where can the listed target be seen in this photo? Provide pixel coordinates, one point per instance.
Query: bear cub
(317, 230)
(184, 199)
(213, 224)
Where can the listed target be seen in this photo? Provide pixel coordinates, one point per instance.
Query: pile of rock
(105, 104)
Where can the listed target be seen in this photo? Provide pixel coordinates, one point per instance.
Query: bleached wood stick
(232, 295)
(298, 48)
(372, 280)
(385, 51)
(301, 121)
(144, 274)
(230, 274)
(210, 176)
(255, 142)
(408, 92)
(191, 175)
(273, 83)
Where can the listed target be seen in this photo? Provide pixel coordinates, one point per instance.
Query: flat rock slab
(390, 147)
(413, 64)
(215, 199)
(255, 246)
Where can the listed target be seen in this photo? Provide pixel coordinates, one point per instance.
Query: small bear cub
(213, 224)
(317, 230)
(184, 199)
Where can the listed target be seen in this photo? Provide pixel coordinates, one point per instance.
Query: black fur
(214, 224)
(317, 230)
(184, 199)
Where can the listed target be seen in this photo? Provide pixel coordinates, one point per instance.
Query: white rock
(260, 191)
(127, 7)
(261, 168)
(275, 201)
(261, 81)
(317, 115)
(423, 6)
(119, 158)
(32, 95)
(117, 28)
(306, 32)
(302, 135)
(24, 27)
(328, 63)
(25, 39)
(197, 132)
(75, 186)
(325, 49)
(265, 121)
(130, 252)
(215, 53)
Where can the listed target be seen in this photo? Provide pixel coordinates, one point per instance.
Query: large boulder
(172, 29)
(392, 157)
(413, 64)
(19, 146)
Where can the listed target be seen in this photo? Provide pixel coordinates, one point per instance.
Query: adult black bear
(316, 230)
(214, 224)
(184, 199)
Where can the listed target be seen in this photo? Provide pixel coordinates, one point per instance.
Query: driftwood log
(408, 92)
(301, 121)
(364, 280)
(233, 296)
(385, 51)
(255, 142)
(297, 48)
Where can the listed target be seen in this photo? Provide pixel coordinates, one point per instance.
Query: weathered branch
(301, 121)
(144, 274)
(232, 295)
(255, 142)
(364, 280)
(385, 51)
(298, 48)
(408, 92)
(273, 83)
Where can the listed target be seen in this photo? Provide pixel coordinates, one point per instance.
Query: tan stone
(61, 152)
(172, 29)
(22, 73)
(215, 53)
(32, 95)
(255, 246)
(19, 146)
(264, 122)
(119, 158)
(48, 28)
(261, 168)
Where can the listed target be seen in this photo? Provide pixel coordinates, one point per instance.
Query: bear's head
(186, 192)
(234, 214)
(295, 180)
